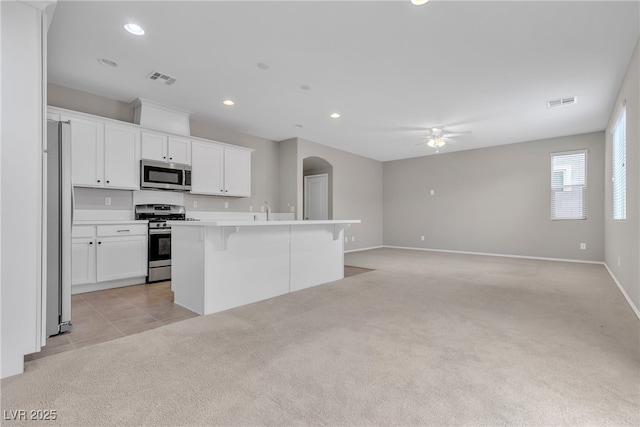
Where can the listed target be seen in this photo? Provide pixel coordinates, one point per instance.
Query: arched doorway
(317, 176)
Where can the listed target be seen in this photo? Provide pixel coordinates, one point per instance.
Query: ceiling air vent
(561, 102)
(161, 78)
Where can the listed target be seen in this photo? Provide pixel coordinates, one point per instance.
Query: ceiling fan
(436, 137)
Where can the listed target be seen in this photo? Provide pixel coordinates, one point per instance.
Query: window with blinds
(619, 168)
(569, 185)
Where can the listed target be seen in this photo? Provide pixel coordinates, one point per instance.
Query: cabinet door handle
(123, 231)
(164, 157)
(99, 243)
(98, 180)
(91, 243)
(170, 158)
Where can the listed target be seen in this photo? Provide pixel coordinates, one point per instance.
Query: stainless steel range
(159, 237)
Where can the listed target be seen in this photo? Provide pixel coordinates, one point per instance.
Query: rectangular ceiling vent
(561, 102)
(161, 78)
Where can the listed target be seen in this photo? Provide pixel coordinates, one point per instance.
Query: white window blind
(619, 169)
(569, 185)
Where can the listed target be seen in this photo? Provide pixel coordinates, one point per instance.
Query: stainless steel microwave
(164, 176)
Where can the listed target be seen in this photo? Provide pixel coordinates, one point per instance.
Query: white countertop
(109, 222)
(244, 223)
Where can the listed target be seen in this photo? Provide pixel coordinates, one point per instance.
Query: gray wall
(288, 176)
(622, 238)
(493, 200)
(357, 192)
(264, 161)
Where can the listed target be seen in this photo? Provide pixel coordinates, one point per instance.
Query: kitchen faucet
(267, 209)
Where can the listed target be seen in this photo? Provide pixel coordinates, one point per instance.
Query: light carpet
(425, 339)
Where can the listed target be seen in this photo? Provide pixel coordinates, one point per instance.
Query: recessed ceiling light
(107, 62)
(228, 102)
(134, 29)
(419, 2)
(335, 115)
(262, 66)
(305, 87)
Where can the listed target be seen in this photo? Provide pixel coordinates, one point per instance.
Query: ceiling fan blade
(452, 134)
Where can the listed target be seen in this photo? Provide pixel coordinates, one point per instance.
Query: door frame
(306, 193)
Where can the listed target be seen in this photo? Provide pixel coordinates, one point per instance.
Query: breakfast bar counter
(222, 264)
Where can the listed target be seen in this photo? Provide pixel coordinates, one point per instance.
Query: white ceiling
(390, 68)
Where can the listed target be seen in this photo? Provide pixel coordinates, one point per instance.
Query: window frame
(615, 209)
(584, 187)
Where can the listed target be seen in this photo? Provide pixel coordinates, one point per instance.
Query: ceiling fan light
(435, 142)
(419, 2)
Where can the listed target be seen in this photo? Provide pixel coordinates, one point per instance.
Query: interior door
(316, 197)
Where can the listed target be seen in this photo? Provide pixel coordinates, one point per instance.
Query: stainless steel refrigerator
(59, 220)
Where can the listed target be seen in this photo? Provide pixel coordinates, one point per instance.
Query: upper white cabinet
(104, 155)
(207, 174)
(237, 172)
(179, 150)
(163, 148)
(220, 170)
(87, 152)
(121, 157)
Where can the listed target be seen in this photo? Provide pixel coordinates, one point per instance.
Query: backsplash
(96, 199)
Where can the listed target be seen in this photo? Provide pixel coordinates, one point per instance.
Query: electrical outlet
(618, 261)
(433, 192)
(346, 240)
(262, 208)
(195, 203)
(107, 201)
(353, 238)
(226, 205)
(251, 208)
(292, 209)
(583, 246)
(422, 238)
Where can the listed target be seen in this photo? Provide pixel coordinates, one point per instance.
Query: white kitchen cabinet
(154, 146)
(107, 256)
(179, 150)
(122, 157)
(163, 148)
(220, 170)
(207, 173)
(121, 257)
(87, 152)
(104, 155)
(237, 172)
(83, 261)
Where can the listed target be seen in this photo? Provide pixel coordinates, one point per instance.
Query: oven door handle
(160, 231)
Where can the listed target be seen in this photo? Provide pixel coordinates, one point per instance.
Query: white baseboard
(497, 255)
(363, 249)
(626, 295)
(101, 286)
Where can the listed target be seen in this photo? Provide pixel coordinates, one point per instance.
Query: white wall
(622, 238)
(22, 119)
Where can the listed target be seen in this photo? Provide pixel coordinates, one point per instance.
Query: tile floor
(113, 313)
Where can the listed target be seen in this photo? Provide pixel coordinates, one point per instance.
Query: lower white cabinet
(102, 255)
(121, 257)
(83, 261)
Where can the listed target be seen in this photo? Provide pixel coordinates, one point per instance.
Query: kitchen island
(222, 264)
